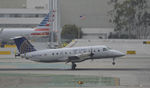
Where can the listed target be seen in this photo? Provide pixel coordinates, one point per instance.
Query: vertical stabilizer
(23, 45)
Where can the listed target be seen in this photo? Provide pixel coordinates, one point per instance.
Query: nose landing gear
(113, 63)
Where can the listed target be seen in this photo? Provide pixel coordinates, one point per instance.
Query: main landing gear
(73, 66)
(113, 63)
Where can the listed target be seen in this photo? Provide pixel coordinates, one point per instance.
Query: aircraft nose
(118, 53)
(121, 54)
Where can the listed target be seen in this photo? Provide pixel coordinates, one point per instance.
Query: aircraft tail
(45, 21)
(44, 25)
(23, 45)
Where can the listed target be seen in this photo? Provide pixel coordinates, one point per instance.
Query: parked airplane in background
(41, 30)
(73, 55)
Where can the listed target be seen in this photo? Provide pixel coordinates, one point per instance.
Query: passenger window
(98, 50)
(65, 52)
(52, 53)
(57, 53)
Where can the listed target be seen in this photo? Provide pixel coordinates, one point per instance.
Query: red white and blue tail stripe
(45, 21)
(43, 28)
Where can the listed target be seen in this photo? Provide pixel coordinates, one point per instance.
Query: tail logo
(26, 47)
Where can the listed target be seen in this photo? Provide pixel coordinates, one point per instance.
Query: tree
(128, 16)
(71, 32)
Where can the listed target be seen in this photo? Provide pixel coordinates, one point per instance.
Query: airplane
(42, 30)
(73, 55)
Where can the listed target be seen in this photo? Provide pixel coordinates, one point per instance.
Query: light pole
(51, 28)
(54, 18)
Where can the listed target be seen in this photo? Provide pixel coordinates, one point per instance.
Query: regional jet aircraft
(73, 55)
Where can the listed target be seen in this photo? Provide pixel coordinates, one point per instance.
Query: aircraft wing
(79, 57)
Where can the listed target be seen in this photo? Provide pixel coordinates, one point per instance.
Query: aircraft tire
(73, 66)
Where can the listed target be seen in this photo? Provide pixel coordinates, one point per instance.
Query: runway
(129, 72)
(78, 69)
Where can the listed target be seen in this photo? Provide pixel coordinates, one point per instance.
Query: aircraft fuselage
(78, 53)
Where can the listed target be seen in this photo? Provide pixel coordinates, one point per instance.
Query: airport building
(91, 14)
(19, 13)
(84, 13)
(29, 13)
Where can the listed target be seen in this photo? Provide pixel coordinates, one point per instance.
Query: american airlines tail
(23, 45)
(45, 21)
(41, 30)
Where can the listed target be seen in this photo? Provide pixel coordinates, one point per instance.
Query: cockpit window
(106, 49)
(109, 48)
